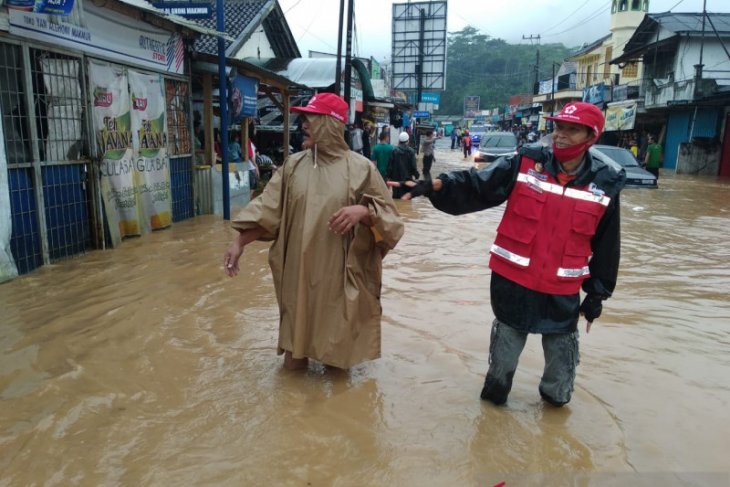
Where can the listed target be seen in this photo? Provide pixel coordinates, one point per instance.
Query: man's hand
(591, 308)
(231, 257)
(416, 188)
(347, 217)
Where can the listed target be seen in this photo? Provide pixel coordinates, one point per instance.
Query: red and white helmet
(582, 113)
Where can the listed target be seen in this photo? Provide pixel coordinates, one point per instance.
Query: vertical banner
(152, 163)
(8, 270)
(113, 130)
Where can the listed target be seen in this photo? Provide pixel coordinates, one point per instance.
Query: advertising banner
(620, 117)
(149, 142)
(471, 106)
(244, 95)
(113, 130)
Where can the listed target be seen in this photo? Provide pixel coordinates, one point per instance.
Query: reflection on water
(147, 366)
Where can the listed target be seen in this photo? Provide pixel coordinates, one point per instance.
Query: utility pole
(536, 85)
(223, 105)
(419, 66)
(338, 74)
(348, 56)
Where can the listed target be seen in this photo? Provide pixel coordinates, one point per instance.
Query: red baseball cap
(582, 113)
(326, 104)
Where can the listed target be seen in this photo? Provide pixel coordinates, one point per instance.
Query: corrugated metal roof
(175, 19)
(664, 29)
(692, 22)
(316, 73)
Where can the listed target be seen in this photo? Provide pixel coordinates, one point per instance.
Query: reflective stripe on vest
(579, 272)
(510, 256)
(578, 194)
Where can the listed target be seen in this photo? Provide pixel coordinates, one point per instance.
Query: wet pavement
(145, 365)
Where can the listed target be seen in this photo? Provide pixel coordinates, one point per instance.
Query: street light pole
(552, 93)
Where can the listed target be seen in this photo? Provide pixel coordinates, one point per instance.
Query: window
(631, 70)
(623, 5)
(635, 4)
(606, 66)
(613, 6)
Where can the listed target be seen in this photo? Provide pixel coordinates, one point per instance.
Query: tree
(492, 69)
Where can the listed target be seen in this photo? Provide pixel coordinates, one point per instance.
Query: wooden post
(285, 125)
(244, 140)
(208, 119)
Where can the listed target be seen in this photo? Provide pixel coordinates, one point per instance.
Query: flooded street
(146, 365)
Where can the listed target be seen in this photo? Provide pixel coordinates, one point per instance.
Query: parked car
(493, 146)
(636, 176)
(476, 132)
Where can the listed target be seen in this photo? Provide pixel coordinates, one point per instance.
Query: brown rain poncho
(327, 285)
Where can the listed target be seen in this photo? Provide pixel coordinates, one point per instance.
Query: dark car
(636, 176)
(495, 145)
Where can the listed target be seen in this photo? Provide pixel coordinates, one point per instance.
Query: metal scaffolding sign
(419, 46)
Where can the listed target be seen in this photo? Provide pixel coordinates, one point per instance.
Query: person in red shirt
(466, 143)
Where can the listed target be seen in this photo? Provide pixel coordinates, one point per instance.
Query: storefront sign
(620, 117)
(139, 45)
(189, 10)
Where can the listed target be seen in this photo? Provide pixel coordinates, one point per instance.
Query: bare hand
(396, 184)
(231, 257)
(347, 217)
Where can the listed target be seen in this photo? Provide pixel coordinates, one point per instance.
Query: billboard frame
(410, 43)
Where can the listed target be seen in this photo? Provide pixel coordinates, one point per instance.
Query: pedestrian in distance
(402, 164)
(331, 221)
(381, 154)
(427, 150)
(453, 138)
(559, 232)
(356, 138)
(466, 143)
(654, 157)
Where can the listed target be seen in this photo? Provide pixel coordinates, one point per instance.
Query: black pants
(654, 171)
(427, 163)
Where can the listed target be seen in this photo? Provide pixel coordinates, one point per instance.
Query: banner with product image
(149, 141)
(113, 131)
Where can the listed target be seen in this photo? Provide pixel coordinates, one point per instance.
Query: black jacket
(515, 305)
(402, 163)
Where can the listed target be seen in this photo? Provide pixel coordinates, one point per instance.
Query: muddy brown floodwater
(145, 365)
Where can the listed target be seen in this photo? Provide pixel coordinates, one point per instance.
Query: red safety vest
(544, 239)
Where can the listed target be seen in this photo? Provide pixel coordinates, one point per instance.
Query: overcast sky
(572, 22)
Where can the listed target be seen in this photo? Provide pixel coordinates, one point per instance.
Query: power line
(564, 19)
(580, 23)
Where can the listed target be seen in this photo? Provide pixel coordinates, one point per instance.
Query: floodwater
(145, 365)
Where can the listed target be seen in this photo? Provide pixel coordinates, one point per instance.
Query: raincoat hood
(327, 134)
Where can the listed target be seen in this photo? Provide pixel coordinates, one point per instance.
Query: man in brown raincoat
(332, 220)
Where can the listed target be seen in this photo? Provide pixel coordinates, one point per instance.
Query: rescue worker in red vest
(559, 232)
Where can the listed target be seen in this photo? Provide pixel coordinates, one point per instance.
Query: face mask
(564, 154)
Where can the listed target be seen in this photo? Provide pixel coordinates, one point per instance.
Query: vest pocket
(585, 218)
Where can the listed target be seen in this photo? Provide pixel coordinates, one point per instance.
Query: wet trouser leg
(427, 163)
(561, 359)
(505, 347)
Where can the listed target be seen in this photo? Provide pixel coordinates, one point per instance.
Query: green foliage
(492, 69)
